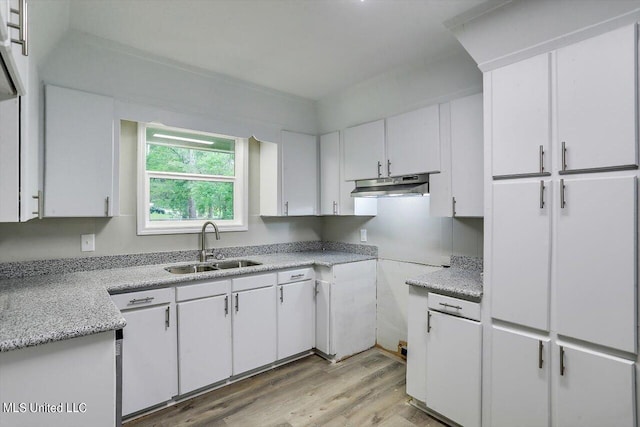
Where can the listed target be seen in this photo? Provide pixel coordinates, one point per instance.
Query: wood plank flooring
(364, 390)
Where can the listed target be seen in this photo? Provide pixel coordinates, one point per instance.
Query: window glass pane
(181, 199)
(173, 151)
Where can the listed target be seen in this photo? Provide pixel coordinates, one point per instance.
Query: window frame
(240, 188)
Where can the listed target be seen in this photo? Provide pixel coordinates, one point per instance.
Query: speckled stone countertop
(41, 309)
(462, 280)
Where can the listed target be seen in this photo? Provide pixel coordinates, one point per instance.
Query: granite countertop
(462, 280)
(41, 309)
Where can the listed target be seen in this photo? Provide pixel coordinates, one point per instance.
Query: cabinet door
(417, 342)
(520, 116)
(254, 329)
(454, 348)
(296, 317)
(440, 197)
(149, 368)
(597, 107)
(521, 252)
(520, 379)
(299, 174)
(594, 389)
(9, 160)
(323, 325)
(330, 174)
(79, 135)
(467, 156)
(413, 142)
(364, 151)
(596, 261)
(204, 342)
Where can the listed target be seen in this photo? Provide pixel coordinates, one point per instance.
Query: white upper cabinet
(467, 156)
(596, 260)
(299, 174)
(520, 279)
(413, 142)
(330, 174)
(335, 193)
(597, 101)
(364, 151)
(458, 189)
(79, 137)
(521, 117)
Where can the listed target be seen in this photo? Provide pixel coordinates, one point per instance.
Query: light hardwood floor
(366, 389)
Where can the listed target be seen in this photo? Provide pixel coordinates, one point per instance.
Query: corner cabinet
(458, 189)
(335, 192)
(289, 176)
(80, 132)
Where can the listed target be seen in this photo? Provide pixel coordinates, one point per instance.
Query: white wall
(408, 238)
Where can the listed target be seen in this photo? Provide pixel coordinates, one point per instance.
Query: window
(187, 177)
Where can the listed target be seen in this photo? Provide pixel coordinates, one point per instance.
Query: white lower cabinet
(254, 325)
(454, 347)
(296, 313)
(204, 335)
(593, 389)
(520, 379)
(149, 374)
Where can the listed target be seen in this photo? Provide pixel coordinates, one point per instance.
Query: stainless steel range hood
(410, 185)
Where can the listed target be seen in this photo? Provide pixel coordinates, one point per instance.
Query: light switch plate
(363, 234)
(88, 242)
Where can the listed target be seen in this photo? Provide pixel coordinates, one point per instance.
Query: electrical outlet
(363, 234)
(88, 242)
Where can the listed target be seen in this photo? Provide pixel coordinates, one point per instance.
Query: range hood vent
(409, 185)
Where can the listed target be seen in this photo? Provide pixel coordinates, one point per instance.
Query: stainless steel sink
(220, 265)
(191, 268)
(224, 265)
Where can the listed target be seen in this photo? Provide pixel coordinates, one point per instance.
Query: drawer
(253, 282)
(143, 298)
(202, 290)
(455, 306)
(297, 275)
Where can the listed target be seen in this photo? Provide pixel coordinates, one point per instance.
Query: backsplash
(17, 269)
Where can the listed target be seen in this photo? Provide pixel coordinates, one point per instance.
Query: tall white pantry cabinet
(561, 210)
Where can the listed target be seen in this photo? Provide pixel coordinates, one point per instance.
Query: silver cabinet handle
(237, 303)
(541, 159)
(281, 294)
(286, 208)
(335, 208)
(453, 206)
(428, 321)
(445, 305)
(388, 167)
(540, 348)
(563, 201)
(379, 169)
(561, 360)
(106, 206)
(167, 320)
(40, 211)
(22, 27)
(297, 276)
(141, 300)
(564, 156)
(226, 305)
(541, 194)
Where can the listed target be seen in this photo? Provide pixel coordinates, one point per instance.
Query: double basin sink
(202, 267)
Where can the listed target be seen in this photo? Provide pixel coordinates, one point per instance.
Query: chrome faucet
(203, 249)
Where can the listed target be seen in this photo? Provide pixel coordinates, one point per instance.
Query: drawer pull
(445, 305)
(141, 300)
(297, 276)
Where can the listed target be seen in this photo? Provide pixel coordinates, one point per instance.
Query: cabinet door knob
(541, 159)
(541, 194)
(563, 201)
(226, 305)
(564, 156)
(167, 317)
(428, 321)
(379, 169)
(540, 348)
(237, 303)
(388, 167)
(561, 361)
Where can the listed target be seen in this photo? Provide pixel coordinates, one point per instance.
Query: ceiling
(309, 48)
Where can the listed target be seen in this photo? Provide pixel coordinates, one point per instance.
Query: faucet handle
(219, 255)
